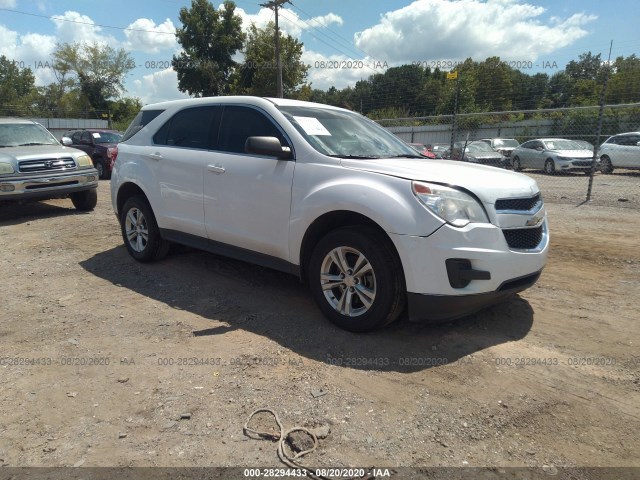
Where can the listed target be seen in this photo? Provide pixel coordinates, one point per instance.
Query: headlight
(453, 206)
(6, 168)
(84, 161)
(565, 158)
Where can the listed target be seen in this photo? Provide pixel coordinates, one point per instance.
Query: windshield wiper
(361, 157)
(407, 156)
(33, 143)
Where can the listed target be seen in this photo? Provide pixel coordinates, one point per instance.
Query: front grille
(523, 204)
(523, 238)
(46, 165)
(581, 163)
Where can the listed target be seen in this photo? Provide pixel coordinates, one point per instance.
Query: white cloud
(75, 27)
(288, 21)
(8, 3)
(429, 30)
(338, 71)
(157, 87)
(29, 51)
(142, 37)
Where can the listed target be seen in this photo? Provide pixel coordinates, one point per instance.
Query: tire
(359, 302)
(102, 170)
(605, 164)
(86, 200)
(140, 231)
(549, 167)
(517, 167)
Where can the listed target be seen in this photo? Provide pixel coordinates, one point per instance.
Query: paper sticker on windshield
(312, 126)
(96, 135)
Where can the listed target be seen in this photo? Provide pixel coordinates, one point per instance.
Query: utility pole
(455, 76)
(274, 5)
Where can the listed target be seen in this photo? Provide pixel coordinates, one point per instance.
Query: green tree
(257, 75)
(624, 83)
(17, 87)
(209, 39)
(98, 70)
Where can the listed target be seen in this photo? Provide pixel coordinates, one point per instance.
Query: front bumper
(435, 308)
(47, 186)
(483, 247)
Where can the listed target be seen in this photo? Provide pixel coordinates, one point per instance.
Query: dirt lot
(102, 356)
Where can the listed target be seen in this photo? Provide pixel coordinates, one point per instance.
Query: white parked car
(328, 195)
(620, 151)
(553, 155)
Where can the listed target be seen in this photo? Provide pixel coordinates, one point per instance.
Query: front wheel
(86, 200)
(517, 167)
(140, 231)
(549, 167)
(605, 164)
(356, 279)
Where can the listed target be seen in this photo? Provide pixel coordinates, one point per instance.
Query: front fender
(388, 201)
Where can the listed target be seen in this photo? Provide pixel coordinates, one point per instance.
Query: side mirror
(66, 141)
(540, 149)
(269, 146)
(638, 144)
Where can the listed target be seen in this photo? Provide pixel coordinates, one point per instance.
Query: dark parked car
(503, 145)
(479, 152)
(423, 149)
(99, 144)
(440, 149)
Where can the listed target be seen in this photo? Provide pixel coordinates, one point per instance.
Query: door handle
(155, 156)
(216, 169)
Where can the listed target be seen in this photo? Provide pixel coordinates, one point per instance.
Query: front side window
(75, 138)
(345, 134)
(86, 138)
(240, 123)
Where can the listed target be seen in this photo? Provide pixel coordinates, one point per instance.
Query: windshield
(505, 142)
(22, 134)
(345, 134)
(562, 145)
(479, 147)
(106, 137)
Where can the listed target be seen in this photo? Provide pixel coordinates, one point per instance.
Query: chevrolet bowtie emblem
(535, 220)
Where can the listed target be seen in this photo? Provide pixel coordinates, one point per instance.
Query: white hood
(487, 183)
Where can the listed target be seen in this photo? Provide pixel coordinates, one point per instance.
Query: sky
(344, 40)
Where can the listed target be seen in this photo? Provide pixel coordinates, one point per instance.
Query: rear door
(181, 149)
(247, 197)
(629, 151)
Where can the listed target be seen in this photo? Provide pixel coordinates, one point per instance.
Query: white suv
(620, 151)
(328, 195)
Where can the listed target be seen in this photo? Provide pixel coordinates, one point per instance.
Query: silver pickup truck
(35, 166)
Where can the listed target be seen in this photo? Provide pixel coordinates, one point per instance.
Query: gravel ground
(107, 362)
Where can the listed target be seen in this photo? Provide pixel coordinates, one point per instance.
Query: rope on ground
(281, 438)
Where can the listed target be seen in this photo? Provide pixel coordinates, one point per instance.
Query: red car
(423, 149)
(99, 144)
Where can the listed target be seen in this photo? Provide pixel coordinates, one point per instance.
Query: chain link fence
(615, 181)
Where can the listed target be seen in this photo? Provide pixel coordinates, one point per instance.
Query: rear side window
(189, 128)
(138, 123)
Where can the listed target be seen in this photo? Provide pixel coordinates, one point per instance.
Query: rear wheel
(86, 200)
(356, 279)
(140, 231)
(99, 164)
(549, 167)
(605, 164)
(516, 164)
